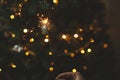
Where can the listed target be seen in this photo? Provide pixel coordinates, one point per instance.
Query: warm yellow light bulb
(47, 36)
(12, 16)
(50, 53)
(72, 55)
(89, 50)
(44, 21)
(13, 65)
(25, 30)
(105, 45)
(13, 35)
(51, 69)
(66, 51)
(76, 35)
(81, 38)
(27, 53)
(64, 36)
(31, 40)
(46, 40)
(0, 69)
(74, 70)
(92, 40)
(82, 51)
(55, 2)
(91, 27)
(81, 30)
(20, 5)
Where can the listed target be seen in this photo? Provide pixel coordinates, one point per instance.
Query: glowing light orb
(27, 53)
(50, 53)
(25, 30)
(0, 69)
(81, 30)
(82, 51)
(12, 16)
(64, 36)
(72, 55)
(105, 45)
(51, 69)
(89, 50)
(13, 65)
(81, 38)
(92, 40)
(31, 40)
(76, 35)
(44, 21)
(55, 2)
(46, 40)
(74, 70)
(66, 51)
(13, 35)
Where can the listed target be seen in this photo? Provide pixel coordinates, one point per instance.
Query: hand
(69, 76)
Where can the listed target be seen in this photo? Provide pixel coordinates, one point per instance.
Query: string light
(25, 30)
(13, 35)
(12, 16)
(44, 21)
(50, 53)
(74, 70)
(47, 36)
(0, 70)
(51, 69)
(76, 35)
(82, 51)
(92, 40)
(46, 40)
(91, 27)
(66, 51)
(89, 50)
(105, 45)
(13, 65)
(27, 53)
(81, 30)
(81, 38)
(20, 5)
(55, 2)
(31, 40)
(72, 55)
(64, 36)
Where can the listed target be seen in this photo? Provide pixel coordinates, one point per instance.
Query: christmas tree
(43, 38)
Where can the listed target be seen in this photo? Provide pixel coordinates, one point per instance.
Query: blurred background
(113, 19)
(39, 39)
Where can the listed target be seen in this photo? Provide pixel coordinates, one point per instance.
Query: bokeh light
(74, 70)
(46, 40)
(76, 35)
(82, 51)
(89, 50)
(51, 69)
(31, 40)
(12, 16)
(25, 30)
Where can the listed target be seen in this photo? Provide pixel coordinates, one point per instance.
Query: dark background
(113, 19)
